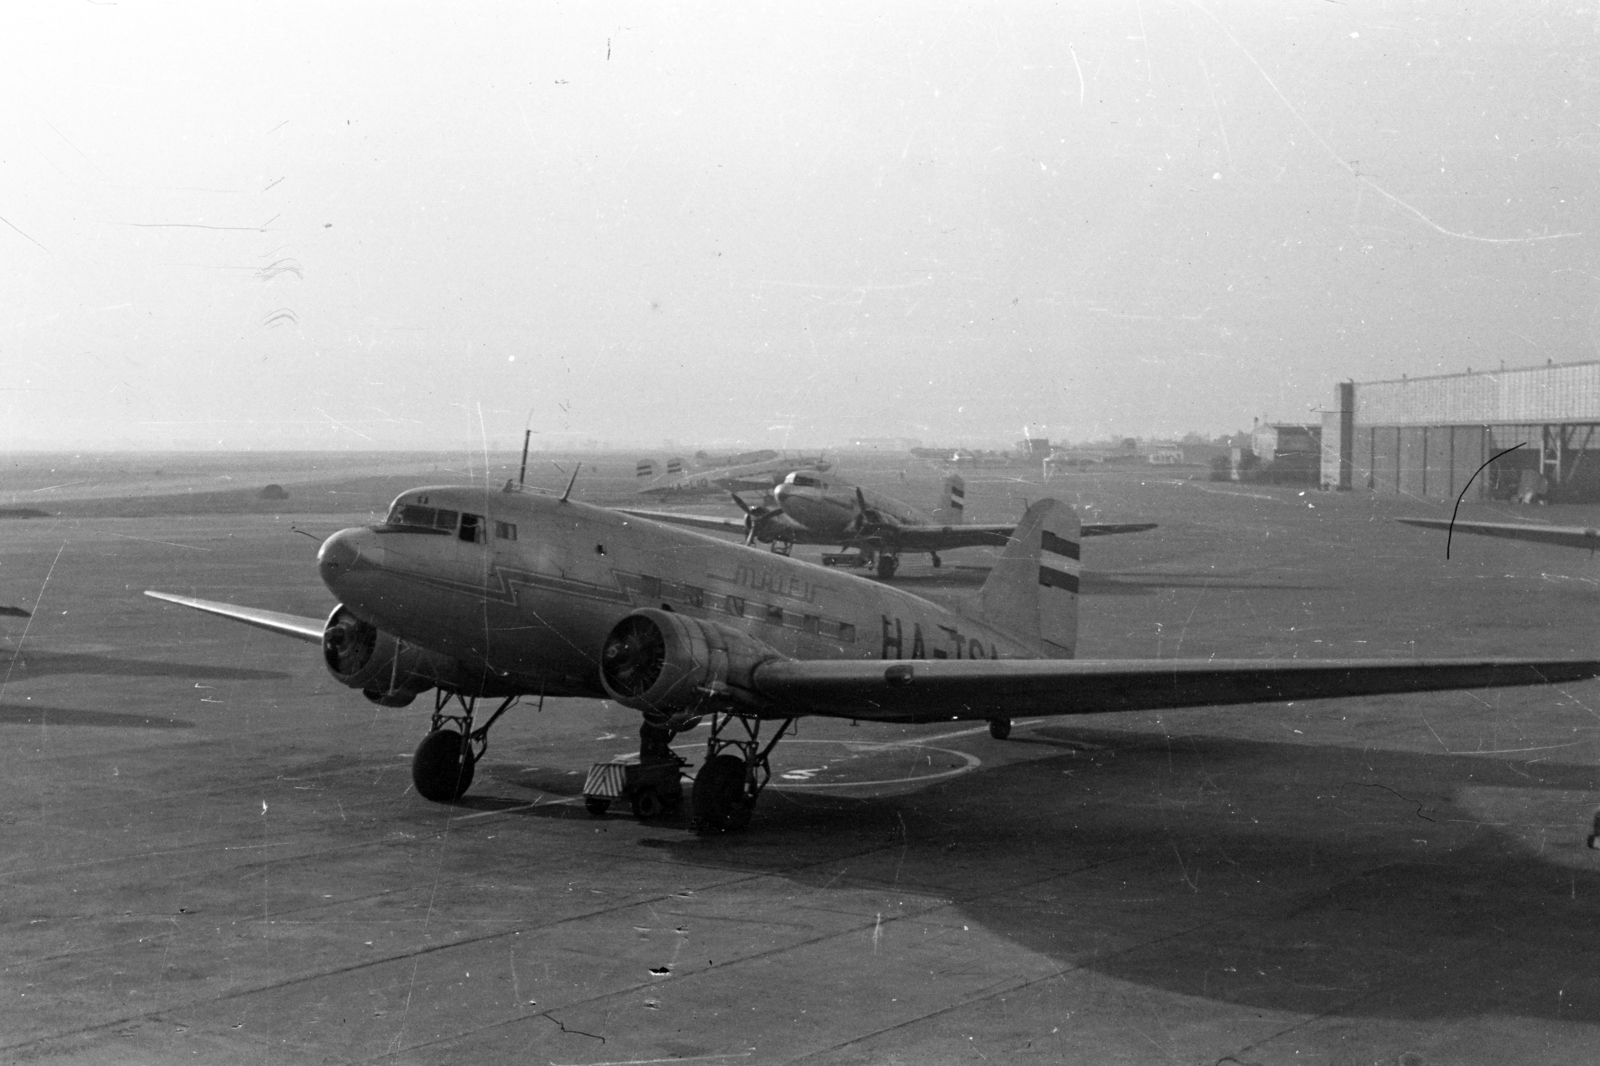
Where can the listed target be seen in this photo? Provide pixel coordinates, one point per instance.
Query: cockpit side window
(445, 520)
(473, 530)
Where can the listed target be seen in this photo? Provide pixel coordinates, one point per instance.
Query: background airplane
(1565, 536)
(753, 475)
(813, 507)
(474, 594)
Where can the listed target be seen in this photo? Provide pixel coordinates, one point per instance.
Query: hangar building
(1428, 436)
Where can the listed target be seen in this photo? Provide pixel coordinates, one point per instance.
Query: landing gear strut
(735, 772)
(444, 762)
(887, 565)
(782, 547)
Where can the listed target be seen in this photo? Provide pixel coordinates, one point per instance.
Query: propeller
(866, 516)
(633, 654)
(755, 518)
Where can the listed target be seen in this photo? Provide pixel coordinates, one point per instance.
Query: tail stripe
(1058, 579)
(1059, 545)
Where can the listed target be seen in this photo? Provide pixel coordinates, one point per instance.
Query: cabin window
(472, 529)
(505, 531)
(735, 606)
(847, 632)
(775, 614)
(810, 623)
(694, 597)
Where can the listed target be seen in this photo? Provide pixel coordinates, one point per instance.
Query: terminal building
(1429, 437)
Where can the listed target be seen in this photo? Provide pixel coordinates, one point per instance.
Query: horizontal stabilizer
(938, 689)
(1110, 529)
(290, 625)
(1565, 536)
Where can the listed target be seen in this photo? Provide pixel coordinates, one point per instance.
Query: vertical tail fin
(645, 468)
(1032, 592)
(952, 502)
(674, 467)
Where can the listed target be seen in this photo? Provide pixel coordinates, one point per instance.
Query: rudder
(952, 502)
(1032, 592)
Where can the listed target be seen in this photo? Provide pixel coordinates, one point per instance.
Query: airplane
(1565, 536)
(816, 509)
(483, 595)
(757, 475)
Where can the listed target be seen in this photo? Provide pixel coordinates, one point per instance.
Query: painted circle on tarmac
(813, 765)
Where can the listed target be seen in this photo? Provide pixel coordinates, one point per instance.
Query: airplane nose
(339, 554)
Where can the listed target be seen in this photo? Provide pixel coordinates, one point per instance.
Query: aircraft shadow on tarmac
(36, 715)
(1092, 583)
(43, 663)
(1288, 877)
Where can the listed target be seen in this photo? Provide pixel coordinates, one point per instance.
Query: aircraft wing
(938, 689)
(697, 521)
(1565, 536)
(945, 538)
(290, 625)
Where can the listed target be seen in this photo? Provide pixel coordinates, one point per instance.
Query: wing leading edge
(937, 689)
(289, 625)
(1565, 536)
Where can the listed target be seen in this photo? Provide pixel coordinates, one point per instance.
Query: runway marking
(675, 1058)
(168, 543)
(563, 802)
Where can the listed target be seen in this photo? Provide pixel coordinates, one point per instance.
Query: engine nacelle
(662, 663)
(387, 670)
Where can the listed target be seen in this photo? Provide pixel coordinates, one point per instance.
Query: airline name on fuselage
(760, 579)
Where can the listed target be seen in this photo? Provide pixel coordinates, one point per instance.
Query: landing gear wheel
(721, 800)
(999, 728)
(935, 557)
(439, 769)
(647, 804)
(887, 565)
(596, 805)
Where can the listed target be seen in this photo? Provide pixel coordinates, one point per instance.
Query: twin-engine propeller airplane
(752, 472)
(815, 508)
(483, 595)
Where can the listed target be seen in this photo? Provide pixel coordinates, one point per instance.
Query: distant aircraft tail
(1032, 592)
(952, 502)
(674, 467)
(646, 468)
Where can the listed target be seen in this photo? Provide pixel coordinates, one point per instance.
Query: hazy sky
(419, 225)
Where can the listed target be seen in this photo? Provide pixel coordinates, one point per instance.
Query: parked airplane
(758, 475)
(1565, 536)
(483, 595)
(813, 508)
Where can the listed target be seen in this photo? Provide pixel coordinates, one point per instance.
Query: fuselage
(829, 507)
(529, 586)
(758, 476)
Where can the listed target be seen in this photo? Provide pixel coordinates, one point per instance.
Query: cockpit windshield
(416, 516)
(805, 481)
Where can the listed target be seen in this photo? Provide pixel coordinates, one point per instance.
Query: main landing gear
(443, 764)
(887, 562)
(735, 772)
